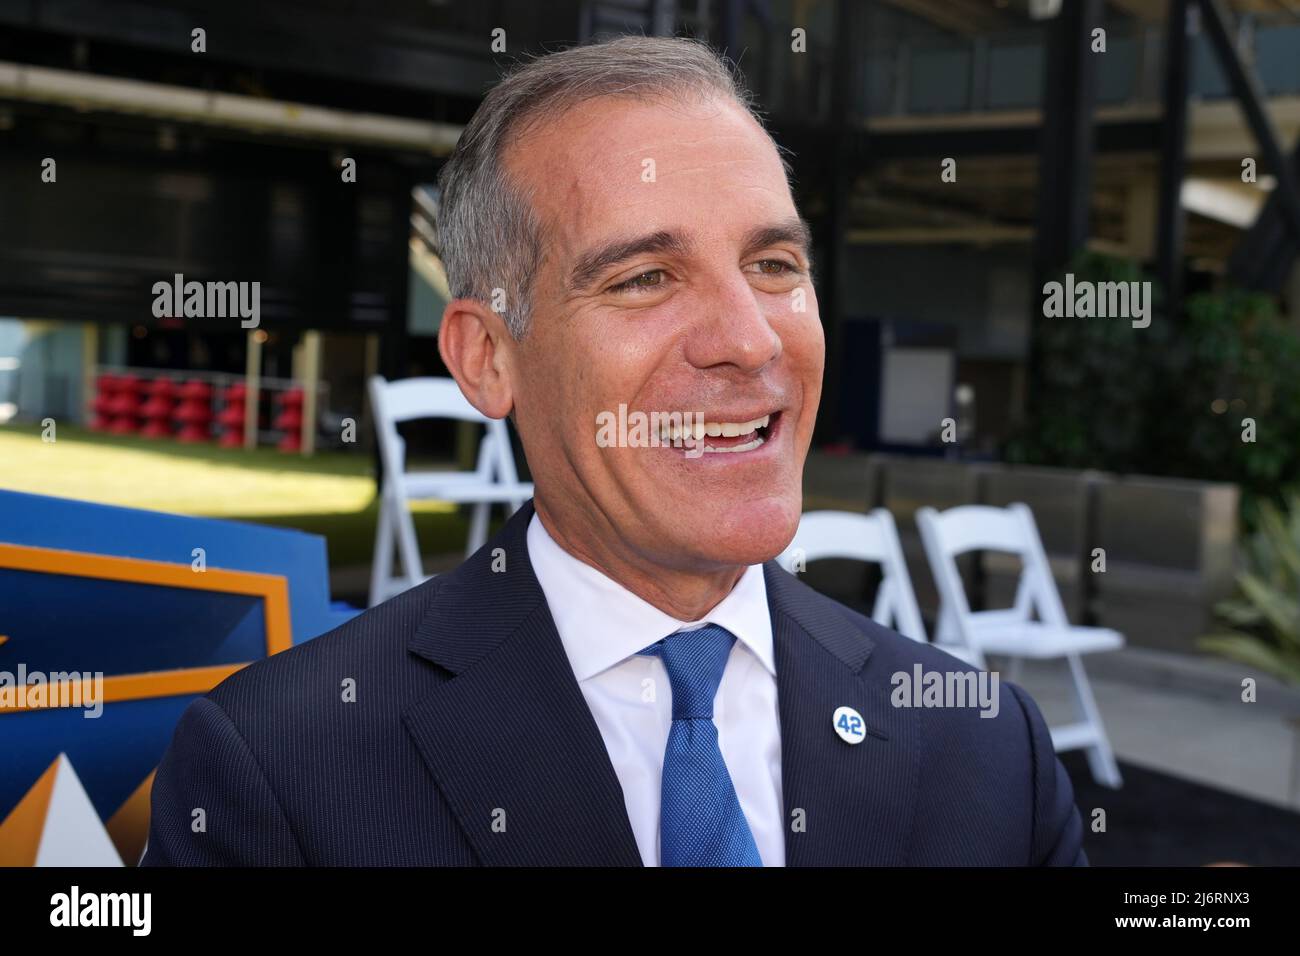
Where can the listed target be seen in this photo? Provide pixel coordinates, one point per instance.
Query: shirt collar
(601, 622)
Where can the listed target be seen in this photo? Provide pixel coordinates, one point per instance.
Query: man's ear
(476, 347)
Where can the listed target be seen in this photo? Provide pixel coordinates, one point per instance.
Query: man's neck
(682, 595)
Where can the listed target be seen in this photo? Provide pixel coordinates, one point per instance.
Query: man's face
(675, 279)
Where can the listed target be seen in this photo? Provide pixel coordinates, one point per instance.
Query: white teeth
(677, 432)
(748, 446)
(713, 429)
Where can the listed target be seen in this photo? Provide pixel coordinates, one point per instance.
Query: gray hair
(488, 231)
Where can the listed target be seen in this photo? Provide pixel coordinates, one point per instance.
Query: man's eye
(781, 267)
(637, 281)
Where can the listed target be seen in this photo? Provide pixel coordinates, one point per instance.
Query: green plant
(1265, 618)
(1170, 399)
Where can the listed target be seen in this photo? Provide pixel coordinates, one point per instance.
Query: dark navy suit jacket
(467, 716)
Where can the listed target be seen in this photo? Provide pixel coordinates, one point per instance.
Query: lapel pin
(848, 724)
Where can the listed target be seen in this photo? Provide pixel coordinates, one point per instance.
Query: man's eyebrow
(591, 264)
(793, 230)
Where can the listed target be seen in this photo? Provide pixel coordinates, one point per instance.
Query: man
(623, 675)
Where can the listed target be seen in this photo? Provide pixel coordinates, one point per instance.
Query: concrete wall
(1170, 545)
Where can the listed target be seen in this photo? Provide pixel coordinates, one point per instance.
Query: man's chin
(744, 533)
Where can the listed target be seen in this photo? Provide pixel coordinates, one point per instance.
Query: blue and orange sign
(109, 603)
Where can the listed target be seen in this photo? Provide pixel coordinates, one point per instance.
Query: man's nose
(735, 328)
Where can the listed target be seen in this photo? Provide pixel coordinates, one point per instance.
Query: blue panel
(112, 753)
(71, 623)
(46, 522)
(122, 627)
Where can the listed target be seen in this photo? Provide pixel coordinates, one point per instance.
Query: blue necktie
(700, 820)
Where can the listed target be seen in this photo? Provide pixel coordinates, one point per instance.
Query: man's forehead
(611, 172)
(611, 144)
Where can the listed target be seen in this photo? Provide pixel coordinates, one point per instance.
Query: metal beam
(1262, 259)
(1065, 148)
(832, 225)
(91, 91)
(1148, 11)
(976, 235)
(1066, 137)
(968, 17)
(1171, 224)
(1140, 135)
(388, 46)
(1250, 96)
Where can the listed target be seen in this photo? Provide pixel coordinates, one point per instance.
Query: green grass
(331, 493)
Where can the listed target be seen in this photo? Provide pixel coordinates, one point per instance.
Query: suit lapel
(855, 801)
(516, 754)
(509, 739)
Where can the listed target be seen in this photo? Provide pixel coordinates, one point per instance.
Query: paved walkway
(1188, 727)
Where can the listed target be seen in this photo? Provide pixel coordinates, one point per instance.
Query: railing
(931, 72)
(1005, 71)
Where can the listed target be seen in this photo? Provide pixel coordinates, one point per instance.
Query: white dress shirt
(602, 626)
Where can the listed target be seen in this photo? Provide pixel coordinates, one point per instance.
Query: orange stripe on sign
(120, 687)
(273, 589)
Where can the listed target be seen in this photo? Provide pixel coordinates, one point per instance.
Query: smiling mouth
(723, 437)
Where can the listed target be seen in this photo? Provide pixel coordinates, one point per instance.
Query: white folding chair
(870, 537)
(493, 480)
(1014, 632)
